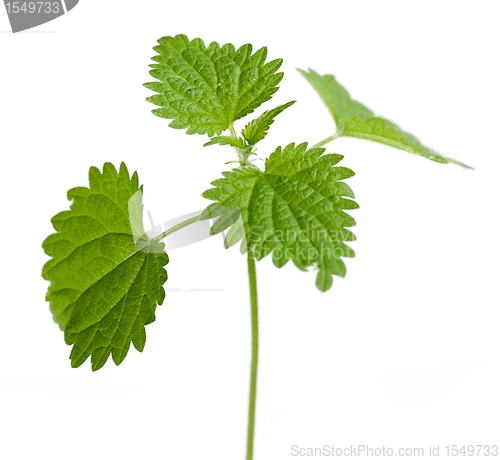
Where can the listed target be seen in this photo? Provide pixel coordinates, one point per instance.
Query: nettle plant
(106, 275)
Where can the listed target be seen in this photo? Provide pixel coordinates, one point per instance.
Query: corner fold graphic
(70, 4)
(26, 15)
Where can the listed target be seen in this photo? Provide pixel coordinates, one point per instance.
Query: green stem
(243, 153)
(232, 130)
(328, 139)
(252, 278)
(176, 228)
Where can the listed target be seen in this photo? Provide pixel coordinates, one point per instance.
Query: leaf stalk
(176, 228)
(328, 139)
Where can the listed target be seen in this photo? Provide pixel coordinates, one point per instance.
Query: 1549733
(33, 7)
(472, 450)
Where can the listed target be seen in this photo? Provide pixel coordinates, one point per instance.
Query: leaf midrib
(102, 278)
(276, 194)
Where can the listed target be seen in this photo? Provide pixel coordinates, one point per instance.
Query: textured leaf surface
(204, 89)
(353, 119)
(104, 288)
(257, 129)
(295, 210)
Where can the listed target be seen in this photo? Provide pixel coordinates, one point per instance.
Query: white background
(403, 352)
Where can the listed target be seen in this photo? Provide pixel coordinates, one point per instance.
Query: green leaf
(226, 140)
(353, 119)
(335, 97)
(205, 89)
(106, 275)
(294, 210)
(382, 131)
(257, 129)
